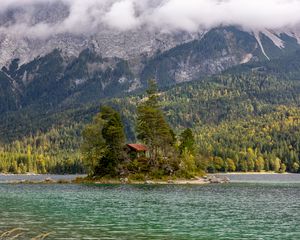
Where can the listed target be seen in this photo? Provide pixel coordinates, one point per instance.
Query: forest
(239, 122)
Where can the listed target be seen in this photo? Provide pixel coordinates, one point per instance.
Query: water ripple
(235, 211)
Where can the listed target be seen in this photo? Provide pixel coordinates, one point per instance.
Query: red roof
(138, 147)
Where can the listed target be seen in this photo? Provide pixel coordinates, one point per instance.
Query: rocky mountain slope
(43, 75)
(19, 42)
(57, 79)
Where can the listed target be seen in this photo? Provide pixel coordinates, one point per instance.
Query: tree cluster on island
(104, 152)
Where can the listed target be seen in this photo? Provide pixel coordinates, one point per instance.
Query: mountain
(66, 73)
(52, 79)
(57, 79)
(53, 92)
(9, 95)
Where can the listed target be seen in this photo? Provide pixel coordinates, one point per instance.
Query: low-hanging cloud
(90, 16)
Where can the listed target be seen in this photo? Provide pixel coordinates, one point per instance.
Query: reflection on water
(232, 211)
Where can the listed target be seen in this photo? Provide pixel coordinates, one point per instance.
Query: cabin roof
(138, 147)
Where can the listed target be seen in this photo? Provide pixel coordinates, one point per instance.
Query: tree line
(270, 142)
(53, 152)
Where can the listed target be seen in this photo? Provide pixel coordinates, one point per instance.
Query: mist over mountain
(129, 28)
(44, 17)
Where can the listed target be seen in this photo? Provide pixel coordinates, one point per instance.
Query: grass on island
(138, 178)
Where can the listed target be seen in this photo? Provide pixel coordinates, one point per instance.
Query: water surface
(263, 178)
(239, 210)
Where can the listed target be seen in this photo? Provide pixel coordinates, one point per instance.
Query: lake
(265, 208)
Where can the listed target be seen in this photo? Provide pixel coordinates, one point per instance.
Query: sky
(89, 16)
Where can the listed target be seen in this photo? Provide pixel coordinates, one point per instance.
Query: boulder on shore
(149, 182)
(218, 180)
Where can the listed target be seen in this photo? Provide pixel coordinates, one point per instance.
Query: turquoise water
(243, 210)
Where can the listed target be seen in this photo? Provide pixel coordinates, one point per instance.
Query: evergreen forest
(247, 121)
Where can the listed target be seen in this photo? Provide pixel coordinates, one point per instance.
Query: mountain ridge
(90, 76)
(55, 83)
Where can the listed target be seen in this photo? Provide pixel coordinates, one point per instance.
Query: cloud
(122, 15)
(90, 16)
(194, 14)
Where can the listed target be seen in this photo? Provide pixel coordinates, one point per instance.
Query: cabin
(136, 150)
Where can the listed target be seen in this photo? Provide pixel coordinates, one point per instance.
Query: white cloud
(122, 15)
(89, 16)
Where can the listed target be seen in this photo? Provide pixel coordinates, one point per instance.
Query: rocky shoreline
(211, 179)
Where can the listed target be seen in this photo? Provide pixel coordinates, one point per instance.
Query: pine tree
(152, 128)
(187, 141)
(103, 143)
(114, 136)
(93, 147)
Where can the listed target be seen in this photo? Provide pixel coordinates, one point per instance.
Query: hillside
(221, 109)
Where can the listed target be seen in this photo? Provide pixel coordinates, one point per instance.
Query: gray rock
(148, 182)
(218, 180)
(226, 180)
